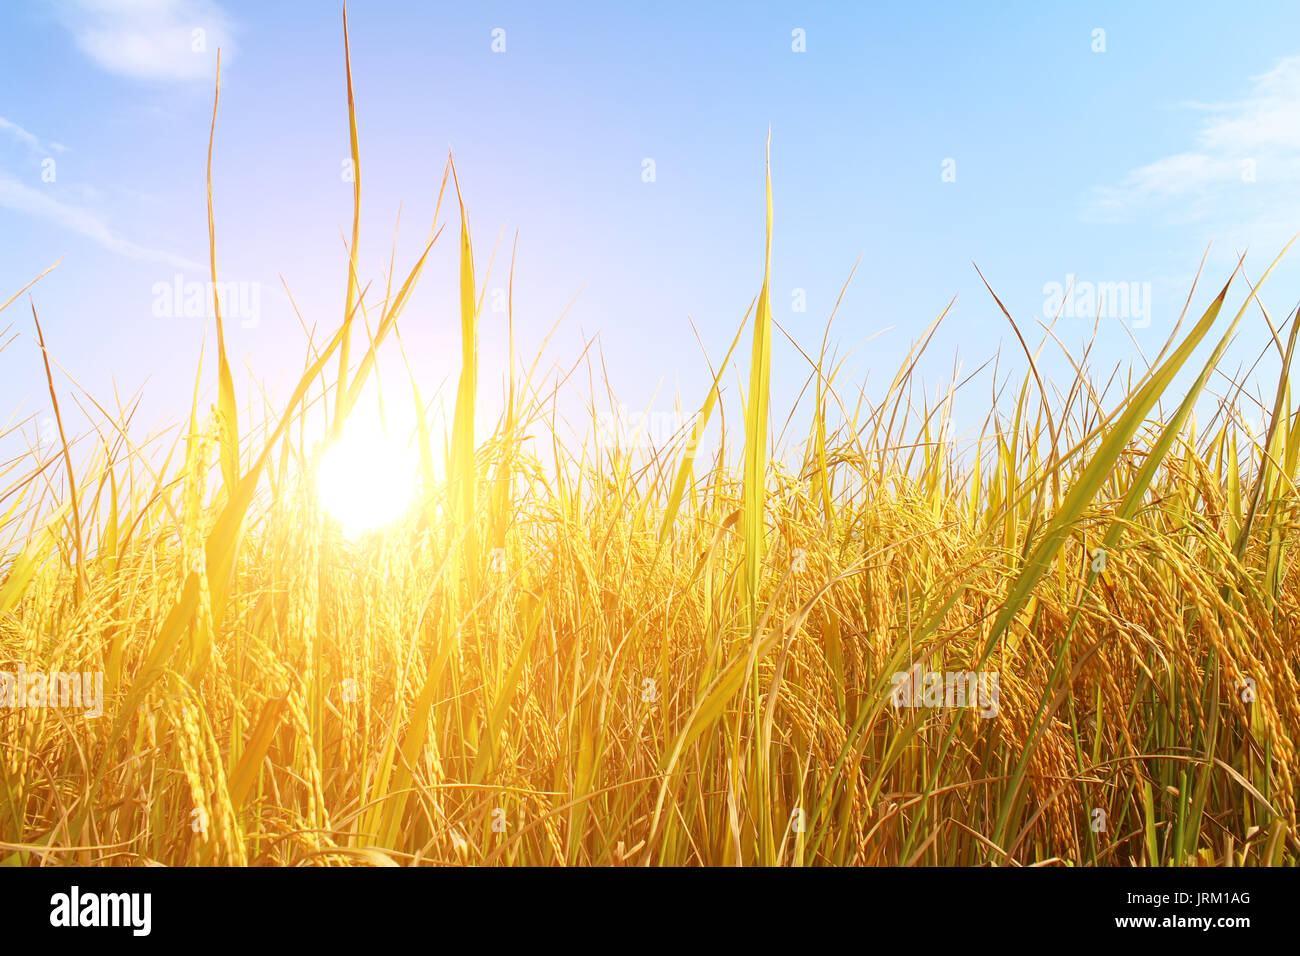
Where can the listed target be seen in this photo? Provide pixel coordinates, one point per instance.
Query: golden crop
(645, 658)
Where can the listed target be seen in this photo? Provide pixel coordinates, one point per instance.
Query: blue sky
(1114, 166)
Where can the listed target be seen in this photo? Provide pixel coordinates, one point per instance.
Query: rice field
(834, 639)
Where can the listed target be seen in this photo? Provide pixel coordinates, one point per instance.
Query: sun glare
(366, 479)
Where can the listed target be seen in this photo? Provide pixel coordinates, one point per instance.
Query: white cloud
(150, 39)
(1246, 158)
(1267, 120)
(30, 140)
(17, 132)
(36, 202)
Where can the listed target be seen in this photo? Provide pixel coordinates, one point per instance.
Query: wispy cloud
(36, 202)
(1246, 156)
(30, 140)
(150, 39)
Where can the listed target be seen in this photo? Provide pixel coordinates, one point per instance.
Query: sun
(367, 478)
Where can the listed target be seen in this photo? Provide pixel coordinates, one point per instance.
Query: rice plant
(695, 653)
